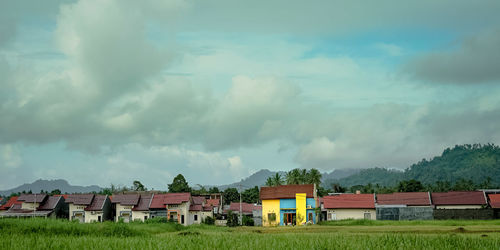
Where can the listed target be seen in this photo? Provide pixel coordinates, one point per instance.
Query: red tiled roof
(195, 207)
(160, 200)
(97, 203)
(459, 198)
(494, 200)
(50, 203)
(10, 203)
(213, 202)
(349, 201)
(126, 199)
(63, 195)
(246, 208)
(286, 191)
(409, 199)
(80, 199)
(143, 204)
(31, 198)
(198, 200)
(207, 208)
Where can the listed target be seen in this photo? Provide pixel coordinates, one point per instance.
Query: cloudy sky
(111, 91)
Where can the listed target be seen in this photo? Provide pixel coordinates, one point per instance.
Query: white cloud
(10, 156)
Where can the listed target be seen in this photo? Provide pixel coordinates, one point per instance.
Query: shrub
(209, 220)
(232, 219)
(247, 221)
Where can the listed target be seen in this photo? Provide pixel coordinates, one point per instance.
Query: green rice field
(351, 234)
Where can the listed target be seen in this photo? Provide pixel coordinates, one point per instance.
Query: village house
(253, 211)
(289, 204)
(131, 207)
(404, 206)
(89, 207)
(459, 200)
(173, 206)
(350, 206)
(199, 210)
(36, 205)
(495, 204)
(9, 204)
(215, 204)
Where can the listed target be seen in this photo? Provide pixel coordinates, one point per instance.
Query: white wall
(350, 213)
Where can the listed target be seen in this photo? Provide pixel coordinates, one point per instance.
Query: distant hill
(470, 162)
(49, 185)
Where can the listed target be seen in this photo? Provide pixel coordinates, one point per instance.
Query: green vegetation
(463, 167)
(350, 234)
(296, 176)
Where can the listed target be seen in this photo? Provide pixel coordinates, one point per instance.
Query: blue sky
(105, 91)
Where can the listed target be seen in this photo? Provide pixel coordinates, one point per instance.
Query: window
(99, 218)
(368, 216)
(145, 217)
(271, 217)
(195, 217)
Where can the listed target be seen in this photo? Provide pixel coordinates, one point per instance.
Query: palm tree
(277, 180)
(314, 177)
(303, 177)
(293, 176)
(269, 182)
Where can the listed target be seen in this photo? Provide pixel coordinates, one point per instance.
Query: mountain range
(476, 162)
(49, 185)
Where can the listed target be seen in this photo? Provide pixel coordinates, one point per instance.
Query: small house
(404, 206)
(459, 200)
(350, 206)
(199, 210)
(253, 211)
(36, 205)
(89, 207)
(9, 204)
(289, 204)
(173, 206)
(123, 204)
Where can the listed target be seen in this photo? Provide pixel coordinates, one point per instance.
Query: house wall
(301, 211)
(120, 209)
(405, 213)
(270, 207)
(464, 214)
(29, 205)
(350, 213)
(459, 207)
(179, 209)
(76, 208)
(192, 215)
(93, 216)
(139, 215)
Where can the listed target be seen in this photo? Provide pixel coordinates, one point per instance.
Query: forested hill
(478, 163)
(470, 162)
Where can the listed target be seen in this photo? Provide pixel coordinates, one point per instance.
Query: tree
(410, 186)
(269, 182)
(293, 176)
(231, 195)
(213, 190)
(138, 186)
(277, 180)
(250, 195)
(314, 177)
(55, 191)
(179, 185)
(464, 185)
(336, 188)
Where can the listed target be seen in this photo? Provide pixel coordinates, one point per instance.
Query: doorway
(289, 219)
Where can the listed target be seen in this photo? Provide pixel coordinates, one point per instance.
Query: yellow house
(289, 205)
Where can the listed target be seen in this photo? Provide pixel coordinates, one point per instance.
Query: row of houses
(411, 206)
(281, 205)
(179, 207)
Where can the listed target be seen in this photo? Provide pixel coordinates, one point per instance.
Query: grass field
(58, 234)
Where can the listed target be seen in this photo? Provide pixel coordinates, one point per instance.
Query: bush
(157, 220)
(232, 219)
(209, 221)
(247, 221)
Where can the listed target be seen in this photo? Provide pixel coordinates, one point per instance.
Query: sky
(112, 91)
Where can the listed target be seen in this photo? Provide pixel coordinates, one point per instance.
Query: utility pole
(241, 219)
